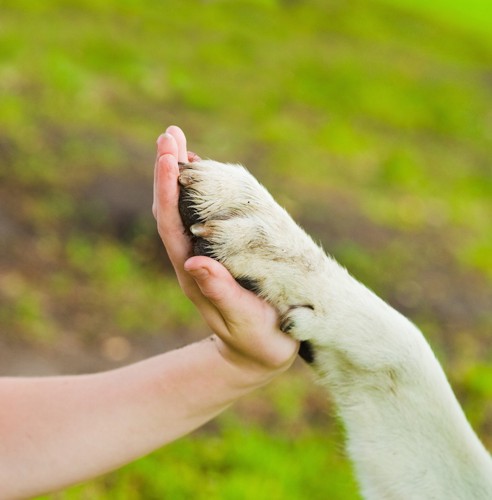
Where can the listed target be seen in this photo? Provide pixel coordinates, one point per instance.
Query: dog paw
(232, 218)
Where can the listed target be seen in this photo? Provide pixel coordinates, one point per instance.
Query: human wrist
(248, 372)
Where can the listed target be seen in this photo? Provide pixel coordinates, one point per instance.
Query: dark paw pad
(249, 284)
(306, 351)
(189, 215)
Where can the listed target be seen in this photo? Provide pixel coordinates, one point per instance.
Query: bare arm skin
(58, 431)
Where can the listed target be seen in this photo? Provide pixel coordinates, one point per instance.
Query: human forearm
(57, 431)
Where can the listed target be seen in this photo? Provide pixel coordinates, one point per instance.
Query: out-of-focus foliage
(371, 121)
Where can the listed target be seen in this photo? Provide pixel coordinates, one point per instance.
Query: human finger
(170, 226)
(166, 145)
(193, 157)
(180, 139)
(216, 283)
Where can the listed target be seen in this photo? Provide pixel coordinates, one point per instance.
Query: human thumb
(214, 281)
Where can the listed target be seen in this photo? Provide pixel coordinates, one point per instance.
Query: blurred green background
(370, 121)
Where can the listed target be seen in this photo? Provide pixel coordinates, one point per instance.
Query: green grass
(472, 16)
(236, 464)
(370, 121)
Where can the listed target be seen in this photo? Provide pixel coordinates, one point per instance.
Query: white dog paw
(233, 219)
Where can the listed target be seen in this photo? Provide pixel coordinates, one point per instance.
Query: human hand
(246, 327)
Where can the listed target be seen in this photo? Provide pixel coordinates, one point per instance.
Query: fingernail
(162, 136)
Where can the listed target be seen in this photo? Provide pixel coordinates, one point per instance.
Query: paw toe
(286, 324)
(297, 317)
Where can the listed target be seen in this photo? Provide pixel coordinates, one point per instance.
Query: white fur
(407, 434)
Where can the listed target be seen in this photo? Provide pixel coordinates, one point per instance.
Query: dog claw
(185, 177)
(286, 324)
(200, 230)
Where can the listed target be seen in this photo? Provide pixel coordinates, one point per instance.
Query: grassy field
(371, 121)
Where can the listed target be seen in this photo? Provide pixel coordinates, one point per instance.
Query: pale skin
(59, 431)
